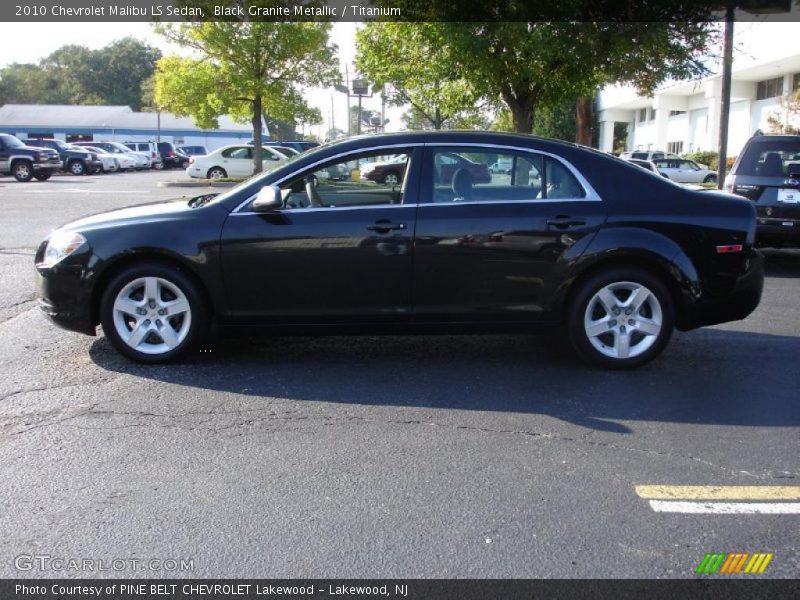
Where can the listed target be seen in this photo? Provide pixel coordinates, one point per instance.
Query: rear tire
(710, 179)
(216, 173)
(620, 318)
(22, 170)
(154, 313)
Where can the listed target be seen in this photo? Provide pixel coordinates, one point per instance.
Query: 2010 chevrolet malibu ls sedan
(565, 237)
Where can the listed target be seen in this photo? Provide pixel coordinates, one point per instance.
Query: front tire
(154, 313)
(76, 167)
(22, 171)
(621, 318)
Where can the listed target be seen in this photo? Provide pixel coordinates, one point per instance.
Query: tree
(529, 65)
(245, 69)
(416, 64)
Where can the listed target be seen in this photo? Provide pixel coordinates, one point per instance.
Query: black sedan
(569, 239)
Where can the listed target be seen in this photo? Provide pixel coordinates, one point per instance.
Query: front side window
(367, 179)
(478, 175)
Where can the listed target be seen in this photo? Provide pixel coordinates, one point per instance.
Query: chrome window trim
(591, 194)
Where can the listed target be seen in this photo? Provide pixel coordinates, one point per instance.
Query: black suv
(171, 156)
(76, 160)
(768, 173)
(25, 162)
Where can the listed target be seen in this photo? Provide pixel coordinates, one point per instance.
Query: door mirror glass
(269, 199)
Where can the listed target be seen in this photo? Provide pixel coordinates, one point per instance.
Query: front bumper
(65, 292)
(48, 166)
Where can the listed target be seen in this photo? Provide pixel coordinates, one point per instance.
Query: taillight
(155, 155)
(751, 192)
(729, 249)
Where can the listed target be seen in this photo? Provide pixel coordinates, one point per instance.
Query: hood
(157, 211)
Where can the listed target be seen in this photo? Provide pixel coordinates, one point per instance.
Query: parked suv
(26, 162)
(172, 157)
(150, 150)
(75, 160)
(767, 172)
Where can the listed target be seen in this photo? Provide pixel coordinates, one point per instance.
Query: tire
(22, 170)
(43, 176)
(184, 164)
(158, 166)
(216, 173)
(137, 329)
(710, 179)
(76, 167)
(601, 336)
(391, 178)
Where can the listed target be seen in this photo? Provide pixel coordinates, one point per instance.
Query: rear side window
(776, 158)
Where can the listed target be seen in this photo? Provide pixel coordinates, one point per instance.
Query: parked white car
(231, 161)
(128, 159)
(647, 155)
(110, 162)
(682, 170)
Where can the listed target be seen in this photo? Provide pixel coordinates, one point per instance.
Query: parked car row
(236, 160)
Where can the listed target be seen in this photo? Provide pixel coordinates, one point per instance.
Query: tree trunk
(437, 120)
(257, 154)
(583, 122)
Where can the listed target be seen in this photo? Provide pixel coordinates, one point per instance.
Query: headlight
(60, 245)
(42, 157)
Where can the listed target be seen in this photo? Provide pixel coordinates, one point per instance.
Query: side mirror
(269, 199)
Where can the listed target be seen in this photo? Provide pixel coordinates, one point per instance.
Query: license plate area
(789, 196)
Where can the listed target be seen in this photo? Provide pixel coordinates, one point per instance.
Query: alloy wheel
(152, 315)
(623, 319)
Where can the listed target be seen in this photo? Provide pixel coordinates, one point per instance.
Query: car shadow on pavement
(782, 263)
(709, 376)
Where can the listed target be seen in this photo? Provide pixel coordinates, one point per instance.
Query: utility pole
(725, 108)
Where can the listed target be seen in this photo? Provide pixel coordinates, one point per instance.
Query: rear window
(771, 159)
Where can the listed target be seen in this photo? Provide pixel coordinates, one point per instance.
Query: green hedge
(708, 157)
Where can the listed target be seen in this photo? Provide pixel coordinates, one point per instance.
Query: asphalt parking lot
(440, 456)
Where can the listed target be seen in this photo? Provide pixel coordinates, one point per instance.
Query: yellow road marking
(718, 492)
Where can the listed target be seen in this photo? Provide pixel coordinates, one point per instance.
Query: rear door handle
(385, 226)
(564, 222)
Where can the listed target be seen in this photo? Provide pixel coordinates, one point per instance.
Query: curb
(195, 184)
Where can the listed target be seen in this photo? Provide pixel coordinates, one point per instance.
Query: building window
(653, 114)
(769, 88)
(676, 113)
(796, 82)
(41, 136)
(675, 147)
(79, 137)
(642, 115)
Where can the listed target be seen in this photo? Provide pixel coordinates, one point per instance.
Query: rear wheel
(216, 173)
(22, 170)
(710, 179)
(153, 313)
(391, 178)
(621, 318)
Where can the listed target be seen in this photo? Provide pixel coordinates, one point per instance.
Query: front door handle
(385, 226)
(564, 222)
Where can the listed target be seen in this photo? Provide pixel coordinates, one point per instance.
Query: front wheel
(76, 167)
(22, 170)
(153, 313)
(621, 318)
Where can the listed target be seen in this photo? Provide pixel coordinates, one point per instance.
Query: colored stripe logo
(734, 563)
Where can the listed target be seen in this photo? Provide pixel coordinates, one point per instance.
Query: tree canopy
(75, 74)
(247, 70)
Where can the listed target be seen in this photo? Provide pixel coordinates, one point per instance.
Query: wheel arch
(123, 261)
(662, 258)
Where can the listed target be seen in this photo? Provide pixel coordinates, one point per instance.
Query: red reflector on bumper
(729, 249)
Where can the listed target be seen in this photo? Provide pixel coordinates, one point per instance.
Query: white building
(116, 124)
(684, 116)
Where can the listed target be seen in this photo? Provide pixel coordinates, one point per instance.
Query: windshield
(12, 142)
(119, 148)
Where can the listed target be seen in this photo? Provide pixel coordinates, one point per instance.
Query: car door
(496, 251)
(238, 161)
(337, 251)
(668, 167)
(690, 172)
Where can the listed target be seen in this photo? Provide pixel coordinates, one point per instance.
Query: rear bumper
(742, 298)
(772, 231)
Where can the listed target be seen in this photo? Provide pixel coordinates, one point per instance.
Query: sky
(17, 47)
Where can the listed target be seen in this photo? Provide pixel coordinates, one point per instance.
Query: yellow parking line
(718, 492)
